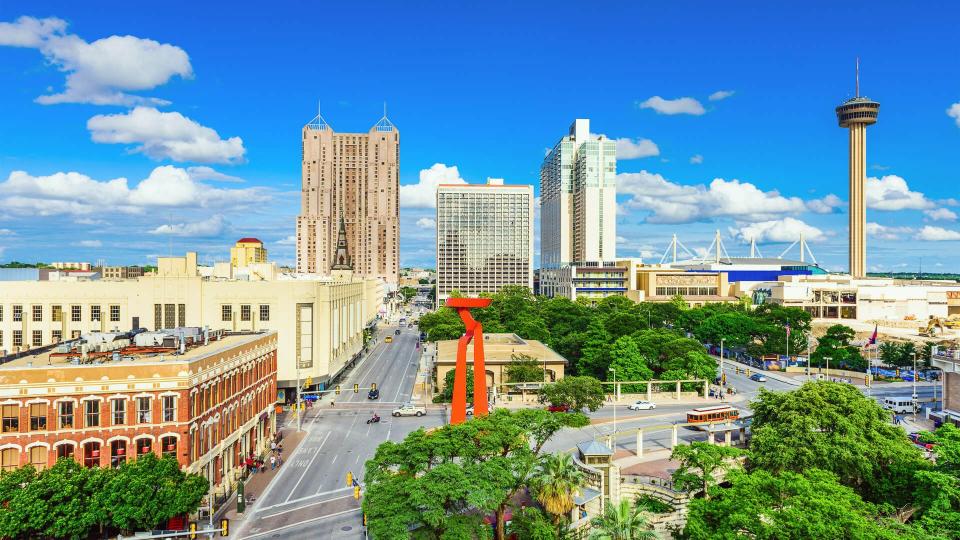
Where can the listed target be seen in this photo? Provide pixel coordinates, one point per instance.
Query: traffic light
(349, 478)
(224, 527)
(748, 372)
(356, 388)
(364, 519)
(723, 379)
(356, 492)
(308, 383)
(193, 530)
(337, 390)
(373, 386)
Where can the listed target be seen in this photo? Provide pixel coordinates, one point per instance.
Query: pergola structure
(473, 330)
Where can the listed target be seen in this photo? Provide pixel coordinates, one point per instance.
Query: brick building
(206, 398)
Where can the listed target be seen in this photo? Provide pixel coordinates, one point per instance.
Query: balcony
(945, 358)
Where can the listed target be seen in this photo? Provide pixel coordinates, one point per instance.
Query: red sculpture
(474, 331)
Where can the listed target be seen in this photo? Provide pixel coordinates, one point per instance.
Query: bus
(716, 413)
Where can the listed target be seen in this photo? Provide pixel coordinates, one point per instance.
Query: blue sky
(199, 107)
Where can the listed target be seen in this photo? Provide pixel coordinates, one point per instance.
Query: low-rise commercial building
(247, 251)
(591, 280)
(204, 398)
(499, 351)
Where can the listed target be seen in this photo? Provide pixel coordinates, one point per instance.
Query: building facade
(592, 281)
(105, 398)
(499, 351)
(320, 321)
(484, 238)
(354, 176)
(578, 203)
(247, 251)
(856, 114)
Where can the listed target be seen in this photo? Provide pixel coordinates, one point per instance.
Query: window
(91, 454)
(95, 313)
(144, 446)
(157, 316)
(17, 313)
(91, 410)
(57, 336)
(169, 446)
(36, 338)
(114, 313)
(1, 313)
(11, 418)
(56, 312)
(264, 312)
(181, 315)
(74, 334)
(245, 312)
(10, 459)
(65, 451)
(38, 416)
(38, 457)
(169, 408)
(118, 453)
(75, 313)
(119, 410)
(65, 414)
(226, 313)
(37, 313)
(169, 316)
(143, 410)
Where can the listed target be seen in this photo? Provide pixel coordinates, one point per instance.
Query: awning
(586, 495)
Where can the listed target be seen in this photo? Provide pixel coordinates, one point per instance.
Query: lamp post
(614, 407)
(914, 386)
(723, 377)
(827, 358)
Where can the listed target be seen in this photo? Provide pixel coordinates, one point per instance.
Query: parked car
(916, 438)
(758, 378)
(410, 409)
(374, 393)
(469, 410)
(642, 406)
(396, 332)
(559, 408)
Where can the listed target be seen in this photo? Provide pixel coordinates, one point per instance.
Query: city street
(309, 497)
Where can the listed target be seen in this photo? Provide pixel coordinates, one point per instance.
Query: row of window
(686, 291)
(39, 456)
(56, 313)
(68, 417)
(246, 312)
(36, 337)
(207, 437)
(230, 386)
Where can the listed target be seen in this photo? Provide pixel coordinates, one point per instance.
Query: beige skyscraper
(856, 114)
(356, 177)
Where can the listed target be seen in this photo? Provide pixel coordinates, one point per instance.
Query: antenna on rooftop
(858, 76)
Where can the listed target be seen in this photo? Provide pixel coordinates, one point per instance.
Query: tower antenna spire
(858, 76)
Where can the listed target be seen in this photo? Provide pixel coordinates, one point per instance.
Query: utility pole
(299, 416)
(723, 376)
(914, 386)
(827, 358)
(615, 408)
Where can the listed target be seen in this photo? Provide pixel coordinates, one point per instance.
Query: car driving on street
(642, 406)
(374, 393)
(410, 409)
(758, 378)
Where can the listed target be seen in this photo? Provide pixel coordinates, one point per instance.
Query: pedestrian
(331, 402)
(280, 449)
(273, 446)
(273, 462)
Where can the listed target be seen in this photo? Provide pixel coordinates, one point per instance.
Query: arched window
(9, 459)
(168, 446)
(144, 446)
(38, 457)
(118, 453)
(91, 454)
(65, 451)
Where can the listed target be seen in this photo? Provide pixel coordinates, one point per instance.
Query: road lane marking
(302, 499)
(404, 377)
(304, 474)
(273, 532)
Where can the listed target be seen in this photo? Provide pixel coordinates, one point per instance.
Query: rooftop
(499, 349)
(249, 240)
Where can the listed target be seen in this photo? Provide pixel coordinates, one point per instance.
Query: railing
(594, 476)
(655, 481)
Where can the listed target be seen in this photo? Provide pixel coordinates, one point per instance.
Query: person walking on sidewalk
(273, 462)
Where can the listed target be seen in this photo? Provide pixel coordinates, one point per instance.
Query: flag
(788, 330)
(873, 337)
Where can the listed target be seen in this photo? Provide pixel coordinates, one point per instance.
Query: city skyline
(712, 132)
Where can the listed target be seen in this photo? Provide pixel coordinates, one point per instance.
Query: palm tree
(622, 521)
(555, 483)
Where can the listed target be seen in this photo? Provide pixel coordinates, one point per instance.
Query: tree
(531, 523)
(446, 395)
(576, 392)
(555, 483)
(890, 353)
(835, 344)
(442, 324)
(833, 426)
(621, 521)
(736, 329)
(629, 364)
(938, 490)
(702, 465)
(440, 484)
(524, 368)
(408, 293)
(595, 358)
(810, 505)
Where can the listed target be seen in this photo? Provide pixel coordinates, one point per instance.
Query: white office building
(578, 204)
(484, 237)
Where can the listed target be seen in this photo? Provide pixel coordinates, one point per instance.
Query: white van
(900, 404)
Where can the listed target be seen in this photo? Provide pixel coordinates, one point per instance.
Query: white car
(642, 406)
(409, 409)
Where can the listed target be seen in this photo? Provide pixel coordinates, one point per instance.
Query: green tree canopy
(524, 368)
(576, 392)
(938, 490)
(629, 364)
(701, 464)
(835, 345)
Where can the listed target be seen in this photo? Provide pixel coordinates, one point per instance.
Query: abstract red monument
(474, 331)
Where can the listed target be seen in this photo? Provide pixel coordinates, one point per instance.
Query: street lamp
(614, 371)
(914, 386)
(723, 377)
(827, 358)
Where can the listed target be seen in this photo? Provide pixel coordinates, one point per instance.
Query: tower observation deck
(856, 114)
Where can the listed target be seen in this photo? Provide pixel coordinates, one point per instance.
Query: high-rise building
(247, 251)
(356, 177)
(578, 203)
(856, 114)
(484, 237)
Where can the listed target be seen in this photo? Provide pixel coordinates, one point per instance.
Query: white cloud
(89, 243)
(937, 234)
(6, 232)
(427, 223)
(825, 205)
(208, 173)
(100, 72)
(696, 159)
(215, 225)
(77, 194)
(90, 221)
(423, 194)
(720, 94)
(892, 193)
(288, 241)
(954, 112)
(941, 214)
(684, 105)
(641, 148)
(781, 230)
(165, 135)
(674, 203)
(886, 232)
